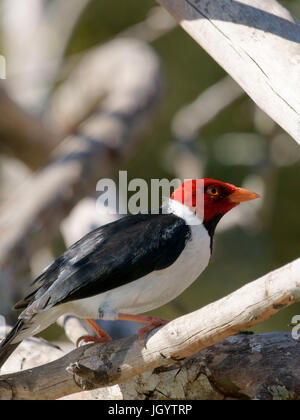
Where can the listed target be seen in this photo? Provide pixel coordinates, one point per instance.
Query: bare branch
(240, 367)
(23, 134)
(120, 76)
(31, 353)
(73, 326)
(156, 24)
(106, 364)
(257, 42)
(35, 57)
(193, 117)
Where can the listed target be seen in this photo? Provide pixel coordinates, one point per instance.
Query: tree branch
(35, 57)
(23, 134)
(74, 327)
(191, 118)
(106, 364)
(257, 43)
(156, 24)
(240, 367)
(31, 353)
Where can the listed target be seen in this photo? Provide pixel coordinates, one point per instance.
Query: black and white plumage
(130, 266)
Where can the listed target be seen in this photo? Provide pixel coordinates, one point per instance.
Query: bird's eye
(213, 191)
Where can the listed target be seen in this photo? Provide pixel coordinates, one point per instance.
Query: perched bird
(130, 266)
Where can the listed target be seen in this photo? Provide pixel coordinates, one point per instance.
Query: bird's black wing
(109, 257)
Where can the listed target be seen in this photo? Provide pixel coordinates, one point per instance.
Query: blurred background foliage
(240, 145)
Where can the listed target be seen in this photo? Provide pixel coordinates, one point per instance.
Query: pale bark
(121, 76)
(156, 24)
(240, 367)
(74, 327)
(106, 364)
(35, 36)
(22, 134)
(31, 353)
(190, 120)
(257, 42)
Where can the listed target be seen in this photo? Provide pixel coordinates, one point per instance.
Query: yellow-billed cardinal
(130, 266)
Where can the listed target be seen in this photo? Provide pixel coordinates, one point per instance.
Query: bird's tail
(9, 344)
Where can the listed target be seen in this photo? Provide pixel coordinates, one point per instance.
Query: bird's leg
(102, 336)
(153, 321)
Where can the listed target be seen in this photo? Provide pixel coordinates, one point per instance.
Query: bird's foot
(153, 321)
(85, 339)
(101, 335)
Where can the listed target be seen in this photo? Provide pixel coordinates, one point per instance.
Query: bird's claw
(87, 339)
(143, 332)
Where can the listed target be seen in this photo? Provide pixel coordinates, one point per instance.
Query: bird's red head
(208, 198)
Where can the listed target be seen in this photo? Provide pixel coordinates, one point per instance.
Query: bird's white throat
(181, 210)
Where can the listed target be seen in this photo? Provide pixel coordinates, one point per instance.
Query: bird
(130, 266)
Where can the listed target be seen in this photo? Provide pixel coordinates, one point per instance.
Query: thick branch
(257, 42)
(101, 365)
(240, 367)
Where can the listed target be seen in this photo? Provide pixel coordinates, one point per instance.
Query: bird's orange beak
(241, 194)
